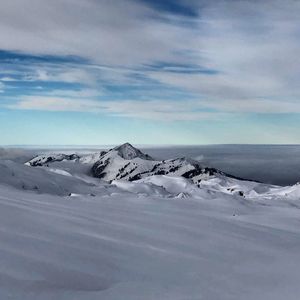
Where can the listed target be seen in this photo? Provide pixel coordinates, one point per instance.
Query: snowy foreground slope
(67, 235)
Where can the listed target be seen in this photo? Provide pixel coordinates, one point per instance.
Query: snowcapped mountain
(128, 163)
(42, 160)
(46, 160)
(131, 170)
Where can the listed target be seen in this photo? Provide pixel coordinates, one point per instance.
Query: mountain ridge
(129, 163)
(125, 162)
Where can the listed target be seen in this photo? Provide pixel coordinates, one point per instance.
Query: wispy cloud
(6, 79)
(118, 32)
(67, 75)
(163, 110)
(56, 104)
(171, 60)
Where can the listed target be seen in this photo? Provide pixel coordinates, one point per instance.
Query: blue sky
(149, 72)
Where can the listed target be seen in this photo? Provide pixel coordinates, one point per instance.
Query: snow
(41, 160)
(42, 180)
(66, 235)
(128, 152)
(171, 184)
(141, 188)
(58, 171)
(90, 159)
(129, 247)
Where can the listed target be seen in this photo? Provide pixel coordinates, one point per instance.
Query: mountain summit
(128, 163)
(127, 151)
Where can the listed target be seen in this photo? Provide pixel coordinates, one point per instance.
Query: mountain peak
(127, 151)
(125, 146)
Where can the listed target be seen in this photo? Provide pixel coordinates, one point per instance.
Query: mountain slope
(127, 246)
(44, 180)
(128, 163)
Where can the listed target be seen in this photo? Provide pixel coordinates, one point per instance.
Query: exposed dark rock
(99, 167)
(135, 177)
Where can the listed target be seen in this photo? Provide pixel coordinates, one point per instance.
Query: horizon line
(141, 145)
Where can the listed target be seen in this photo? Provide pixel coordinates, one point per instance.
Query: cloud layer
(175, 60)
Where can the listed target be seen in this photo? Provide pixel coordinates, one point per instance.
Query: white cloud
(81, 93)
(109, 32)
(56, 104)
(7, 79)
(265, 106)
(153, 110)
(254, 47)
(164, 110)
(61, 74)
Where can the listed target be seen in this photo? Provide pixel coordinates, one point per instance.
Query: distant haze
(275, 164)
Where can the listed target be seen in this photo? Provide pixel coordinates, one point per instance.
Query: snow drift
(164, 235)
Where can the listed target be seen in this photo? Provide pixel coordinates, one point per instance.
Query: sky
(96, 72)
